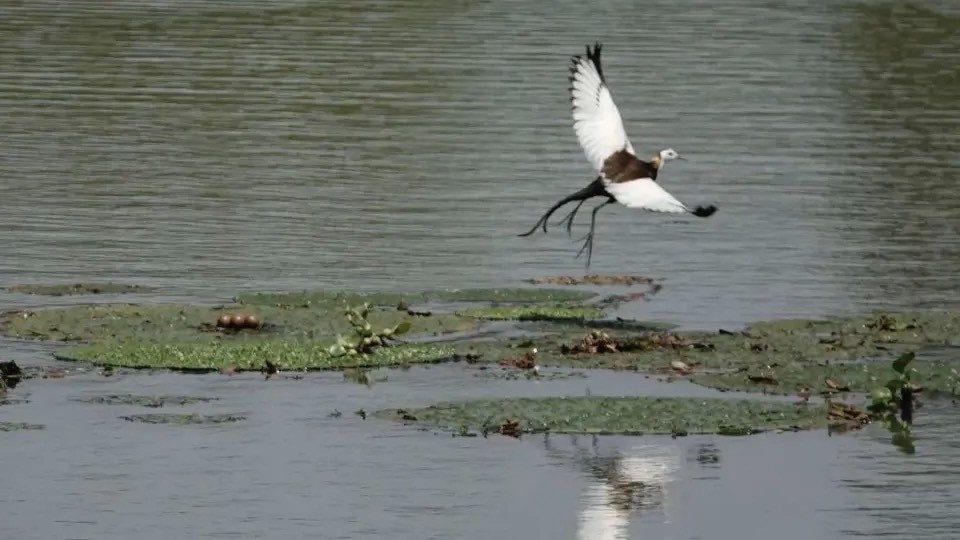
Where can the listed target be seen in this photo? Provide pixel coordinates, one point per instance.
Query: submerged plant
(365, 340)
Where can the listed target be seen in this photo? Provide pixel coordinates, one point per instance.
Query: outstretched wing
(645, 194)
(596, 118)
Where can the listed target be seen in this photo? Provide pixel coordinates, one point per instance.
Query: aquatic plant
(180, 322)
(64, 289)
(365, 340)
(20, 426)
(342, 298)
(184, 419)
(533, 313)
(615, 415)
(144, 401)
(247, 355)
(895, 398)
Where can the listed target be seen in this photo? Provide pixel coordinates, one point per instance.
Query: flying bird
(622, 176)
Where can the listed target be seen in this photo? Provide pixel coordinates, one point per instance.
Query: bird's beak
(681, 157)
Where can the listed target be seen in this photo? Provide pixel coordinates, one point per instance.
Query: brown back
(622, 166)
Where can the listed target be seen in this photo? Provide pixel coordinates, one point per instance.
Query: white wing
(596, 118)
(645, 194)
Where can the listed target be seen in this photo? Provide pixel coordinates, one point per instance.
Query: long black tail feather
(594, 189)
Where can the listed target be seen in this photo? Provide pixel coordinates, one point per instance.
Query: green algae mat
(615, 416)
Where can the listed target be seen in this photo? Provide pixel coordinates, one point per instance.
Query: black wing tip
(705, 211)
(594, 56)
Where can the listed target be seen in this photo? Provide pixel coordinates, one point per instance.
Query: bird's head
(663, 156)
(669, 154)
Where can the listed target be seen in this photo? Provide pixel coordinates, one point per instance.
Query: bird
(622, 177)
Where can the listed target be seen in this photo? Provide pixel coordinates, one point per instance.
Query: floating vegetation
(529, 375)
(534, 313)
(249, 355)
(66, 289)
(617, 416)
(343, 298)
(145, 401)
(365, 340)
(860, 377)
(593, 279)
(184, 419)
(19, 426)
(177, 322)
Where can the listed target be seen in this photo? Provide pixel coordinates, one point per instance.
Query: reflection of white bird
(610, 502)
(623, 177)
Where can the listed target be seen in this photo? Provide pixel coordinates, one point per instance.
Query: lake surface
(211, 147)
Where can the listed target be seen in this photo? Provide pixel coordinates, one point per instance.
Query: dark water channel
(210, 147)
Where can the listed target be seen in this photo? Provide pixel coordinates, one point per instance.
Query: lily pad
(288, 354)
(184, 418)
(617, 415)
(68, 289)
(328, 298)
(144, 401)
(533, 313)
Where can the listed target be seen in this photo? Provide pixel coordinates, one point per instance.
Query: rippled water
(209, 147)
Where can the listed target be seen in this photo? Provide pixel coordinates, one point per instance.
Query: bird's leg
(594, 189)
(588, 239)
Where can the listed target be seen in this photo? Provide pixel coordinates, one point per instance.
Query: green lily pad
(617, 415)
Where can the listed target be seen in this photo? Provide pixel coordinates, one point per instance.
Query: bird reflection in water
(624, 482)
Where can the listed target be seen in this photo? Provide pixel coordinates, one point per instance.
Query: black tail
(704, 211)
(594, 189)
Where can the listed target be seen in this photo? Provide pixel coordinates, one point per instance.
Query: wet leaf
(901, 363)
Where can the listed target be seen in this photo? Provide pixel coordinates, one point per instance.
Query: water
(211, 147)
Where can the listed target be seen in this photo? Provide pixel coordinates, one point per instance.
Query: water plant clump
(345, 298)
(179, 322)
(893, 403)
(184, 419)
(534, 313)
(616, 415)
(365, 340)
(144, 401)
(20, 426)
(248, 355)
(67, 289)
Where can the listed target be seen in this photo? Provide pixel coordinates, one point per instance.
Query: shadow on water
(901, 115)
